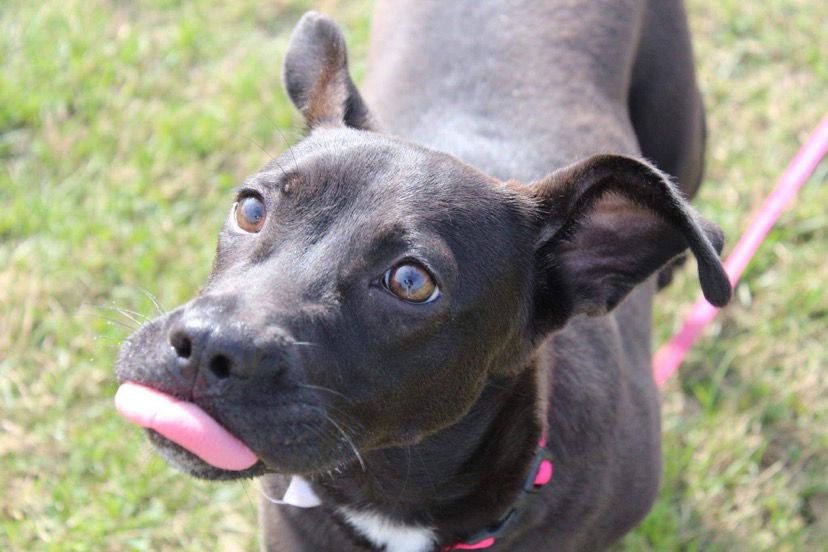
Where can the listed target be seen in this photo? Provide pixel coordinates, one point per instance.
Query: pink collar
(539, 475)
(300, 494)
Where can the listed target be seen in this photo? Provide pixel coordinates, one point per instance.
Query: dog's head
(365, 288)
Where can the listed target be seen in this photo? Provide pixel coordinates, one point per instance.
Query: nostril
(182, 344)
(220, 366)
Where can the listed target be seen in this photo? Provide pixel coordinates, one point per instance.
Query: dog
(428, 322)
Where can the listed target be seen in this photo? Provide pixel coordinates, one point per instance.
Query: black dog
(399, 331)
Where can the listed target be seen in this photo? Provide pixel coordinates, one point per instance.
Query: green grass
(124, 127)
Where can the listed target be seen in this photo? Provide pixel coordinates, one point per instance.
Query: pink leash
(668, 358)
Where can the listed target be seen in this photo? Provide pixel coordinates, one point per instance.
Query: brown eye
(411, 282)
(250, 214)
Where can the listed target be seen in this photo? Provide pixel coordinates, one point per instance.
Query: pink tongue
(183, 423)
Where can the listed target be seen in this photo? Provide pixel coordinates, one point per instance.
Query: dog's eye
(250, 214)
(411, 282)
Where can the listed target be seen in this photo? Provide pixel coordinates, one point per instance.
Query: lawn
(124, 127)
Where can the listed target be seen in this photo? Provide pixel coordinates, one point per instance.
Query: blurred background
(125, 125)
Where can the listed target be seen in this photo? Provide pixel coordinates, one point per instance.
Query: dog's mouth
(190, 439)
(172, 421)
(193, 465)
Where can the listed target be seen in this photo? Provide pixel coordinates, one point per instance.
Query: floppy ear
(610, 222)
(316, 75)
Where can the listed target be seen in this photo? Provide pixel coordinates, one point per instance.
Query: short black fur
(428, 415)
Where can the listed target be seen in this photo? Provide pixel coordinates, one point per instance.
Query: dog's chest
(393, 536)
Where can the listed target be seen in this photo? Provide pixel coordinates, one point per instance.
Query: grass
(124, 127)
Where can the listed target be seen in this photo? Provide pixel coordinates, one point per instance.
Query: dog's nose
(213, 350)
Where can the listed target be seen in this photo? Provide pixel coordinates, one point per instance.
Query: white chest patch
(395, 537)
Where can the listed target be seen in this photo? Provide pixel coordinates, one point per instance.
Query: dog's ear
(608, 223)
(316, 75)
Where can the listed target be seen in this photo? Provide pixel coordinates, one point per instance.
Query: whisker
(345, 418)
(249, 501)
(154, 300)
(428, 477)
(290, 148)
(348, 439)
(120, 324)
(328, 435)
(404, 490)
(287, 143)
(326, 432)
(259, 146)
(111, 321)
(126, 313)
(107, 338)
(320, 388)
(255, 143)
(113, 342)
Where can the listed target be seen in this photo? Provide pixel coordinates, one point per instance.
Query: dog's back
(521, 88)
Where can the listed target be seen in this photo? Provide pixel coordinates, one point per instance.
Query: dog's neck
(450, 484)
